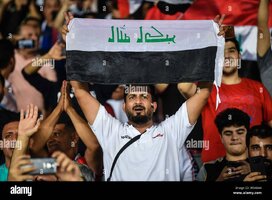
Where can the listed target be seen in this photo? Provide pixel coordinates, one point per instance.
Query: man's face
(234, 140)
(60, 139)
(260, 147)
(29, 32)
(232, 57)
(10, 133)
(139, 107)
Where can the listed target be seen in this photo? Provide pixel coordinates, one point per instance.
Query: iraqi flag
(143, 51)
(240, 13)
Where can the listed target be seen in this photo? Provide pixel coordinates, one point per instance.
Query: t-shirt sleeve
(177, 127)
(265, 66)
(267, 105)
(105, 127)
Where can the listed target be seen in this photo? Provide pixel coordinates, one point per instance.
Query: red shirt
(249, 96)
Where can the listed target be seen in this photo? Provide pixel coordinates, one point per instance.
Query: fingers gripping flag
(143, 51)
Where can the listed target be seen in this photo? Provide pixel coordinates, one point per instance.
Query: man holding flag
(141, 150)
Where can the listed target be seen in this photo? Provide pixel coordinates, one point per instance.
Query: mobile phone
(257, 164)
(229, 32)
(25, 44)
(44, 166)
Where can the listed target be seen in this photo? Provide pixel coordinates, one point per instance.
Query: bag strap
(137, 137)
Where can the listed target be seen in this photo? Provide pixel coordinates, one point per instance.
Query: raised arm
(93, 154)
(187, 90)
(28, 125)
(46, 129)
(196, 103)
(53, 54)
(89, 105)
(263, 42)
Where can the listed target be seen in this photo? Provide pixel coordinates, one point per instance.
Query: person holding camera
(21, 165)
(259, 144)
(61, 131)
(233, 125)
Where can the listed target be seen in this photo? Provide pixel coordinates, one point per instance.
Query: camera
(43, 166)
(25, 44)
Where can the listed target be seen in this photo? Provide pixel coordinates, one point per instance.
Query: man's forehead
(11, 125)
(261, 141)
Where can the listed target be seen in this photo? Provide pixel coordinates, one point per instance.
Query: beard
(229, 71)
(138, 118)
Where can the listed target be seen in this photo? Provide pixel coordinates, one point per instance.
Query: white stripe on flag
(140, 35)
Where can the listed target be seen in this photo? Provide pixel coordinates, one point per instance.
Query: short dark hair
(7, 52)
(26, 20)
(149, 88)
(231, 117)
(237, 45)
(261, 131)
(7, 117)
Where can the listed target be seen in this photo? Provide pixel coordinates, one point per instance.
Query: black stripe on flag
(141, 67)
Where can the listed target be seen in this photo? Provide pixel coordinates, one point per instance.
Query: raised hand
(65, 90)
(29, 122)
(219, 20)
(56, 51)
(68, 17)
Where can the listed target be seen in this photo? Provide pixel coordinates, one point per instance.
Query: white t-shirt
(154, 157)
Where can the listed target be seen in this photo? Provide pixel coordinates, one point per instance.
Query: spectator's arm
(89, 105)
(160, 88)
(53, 54)
(28, 125)
(196, 103)
(43, 85)
(187, 90)
(46, 128)
(263, 42)
(94, 151)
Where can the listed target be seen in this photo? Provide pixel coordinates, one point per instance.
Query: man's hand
(67, 169)
(227, 173)
(255, 176)
(20, 168)
(65, 90)
(56, 51)
(219, 20)
(68, 17)
(29, 123)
